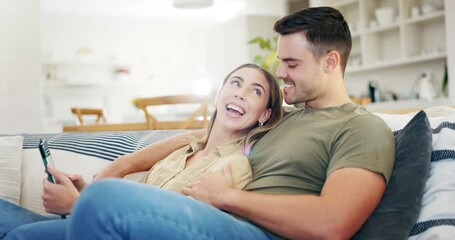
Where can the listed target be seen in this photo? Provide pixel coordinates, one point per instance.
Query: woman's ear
(265, 115)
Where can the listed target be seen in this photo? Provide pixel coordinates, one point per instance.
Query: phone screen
(47, 158)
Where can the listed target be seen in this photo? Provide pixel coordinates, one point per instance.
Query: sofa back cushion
(437, 213)
(10, 168)
(400, 205)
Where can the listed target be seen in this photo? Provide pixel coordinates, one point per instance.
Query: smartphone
(47, 161)
(47, 158)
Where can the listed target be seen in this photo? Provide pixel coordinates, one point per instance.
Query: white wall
(20, 72)
(156, 51)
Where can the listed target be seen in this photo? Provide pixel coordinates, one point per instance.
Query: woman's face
(242, 102)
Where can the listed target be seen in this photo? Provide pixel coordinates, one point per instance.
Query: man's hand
(211, 187)
(60, 197)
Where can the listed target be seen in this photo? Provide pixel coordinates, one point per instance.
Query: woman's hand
(111, 170)
(60, 197)
(78, 182)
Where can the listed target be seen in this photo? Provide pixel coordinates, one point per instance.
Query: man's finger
(186, 191)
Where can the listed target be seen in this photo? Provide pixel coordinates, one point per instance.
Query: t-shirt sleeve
(364, 142)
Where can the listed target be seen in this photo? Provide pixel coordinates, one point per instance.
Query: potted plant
(267, 59)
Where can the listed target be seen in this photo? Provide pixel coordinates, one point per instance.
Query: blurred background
(58, 54)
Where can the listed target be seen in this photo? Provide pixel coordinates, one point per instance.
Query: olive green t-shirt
(298, 155)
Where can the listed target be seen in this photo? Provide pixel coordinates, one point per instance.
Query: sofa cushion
(437, 215)
(400, 205)
(78, 153)
(10, 168)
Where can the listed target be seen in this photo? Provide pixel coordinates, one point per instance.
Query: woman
(247, 106)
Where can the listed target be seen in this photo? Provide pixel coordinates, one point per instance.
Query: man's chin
(289, 100)
(297, 103)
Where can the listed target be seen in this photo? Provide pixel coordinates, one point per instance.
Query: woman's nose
(240, 94)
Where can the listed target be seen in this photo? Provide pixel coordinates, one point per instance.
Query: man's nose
(280, 72)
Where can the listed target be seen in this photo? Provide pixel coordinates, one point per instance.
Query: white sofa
(22, 170)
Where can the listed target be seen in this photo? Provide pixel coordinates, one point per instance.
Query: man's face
(301, 73)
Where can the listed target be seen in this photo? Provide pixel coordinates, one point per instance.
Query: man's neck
(334, 95)
(326, 103)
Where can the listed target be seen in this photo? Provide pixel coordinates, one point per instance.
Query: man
(318, 174)
(322, 171)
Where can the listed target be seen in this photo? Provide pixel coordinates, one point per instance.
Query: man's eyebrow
(290, 59)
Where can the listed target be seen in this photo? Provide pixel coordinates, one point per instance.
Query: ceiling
(161, 8)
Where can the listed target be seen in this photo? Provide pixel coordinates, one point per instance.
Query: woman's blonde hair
(251, 135)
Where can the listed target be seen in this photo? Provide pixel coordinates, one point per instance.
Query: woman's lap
(13, 216)
(127, 210)
(123, 209)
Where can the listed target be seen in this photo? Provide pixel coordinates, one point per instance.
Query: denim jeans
(122, 209)
(12, 216)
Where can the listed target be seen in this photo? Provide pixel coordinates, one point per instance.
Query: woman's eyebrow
(238, 77)
(259, 85)
(254, 84)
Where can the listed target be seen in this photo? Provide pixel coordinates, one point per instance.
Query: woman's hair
(324, 28)
(251, 135)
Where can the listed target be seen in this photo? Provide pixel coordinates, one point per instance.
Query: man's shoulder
(363, 115)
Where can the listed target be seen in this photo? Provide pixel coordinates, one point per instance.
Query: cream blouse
(170, 173)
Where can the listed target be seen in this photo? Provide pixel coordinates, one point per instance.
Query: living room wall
(20, 72)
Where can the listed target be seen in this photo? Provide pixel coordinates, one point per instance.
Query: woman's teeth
(232, 107)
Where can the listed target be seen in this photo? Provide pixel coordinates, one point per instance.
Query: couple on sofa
(318, 173)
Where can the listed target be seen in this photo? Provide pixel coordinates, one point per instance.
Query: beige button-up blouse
(170, 173)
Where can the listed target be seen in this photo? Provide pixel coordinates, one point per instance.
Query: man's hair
(324, 28)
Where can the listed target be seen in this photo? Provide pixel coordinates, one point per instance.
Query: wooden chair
(198, 119)
(81, 112)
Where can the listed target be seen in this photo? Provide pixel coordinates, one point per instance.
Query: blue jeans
(13, 216)
(122, 209)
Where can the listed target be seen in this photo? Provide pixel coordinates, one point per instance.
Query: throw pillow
(10, 168)
(400, 205)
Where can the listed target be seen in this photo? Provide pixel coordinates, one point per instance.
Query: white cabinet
(405, 38)
(395, 52)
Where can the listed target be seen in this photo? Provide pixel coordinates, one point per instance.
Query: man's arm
(144, 159)
(348, 198)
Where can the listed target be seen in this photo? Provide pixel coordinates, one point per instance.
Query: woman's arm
(144, 159)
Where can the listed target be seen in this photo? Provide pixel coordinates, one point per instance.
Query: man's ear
(265, 115)
(332, 61)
